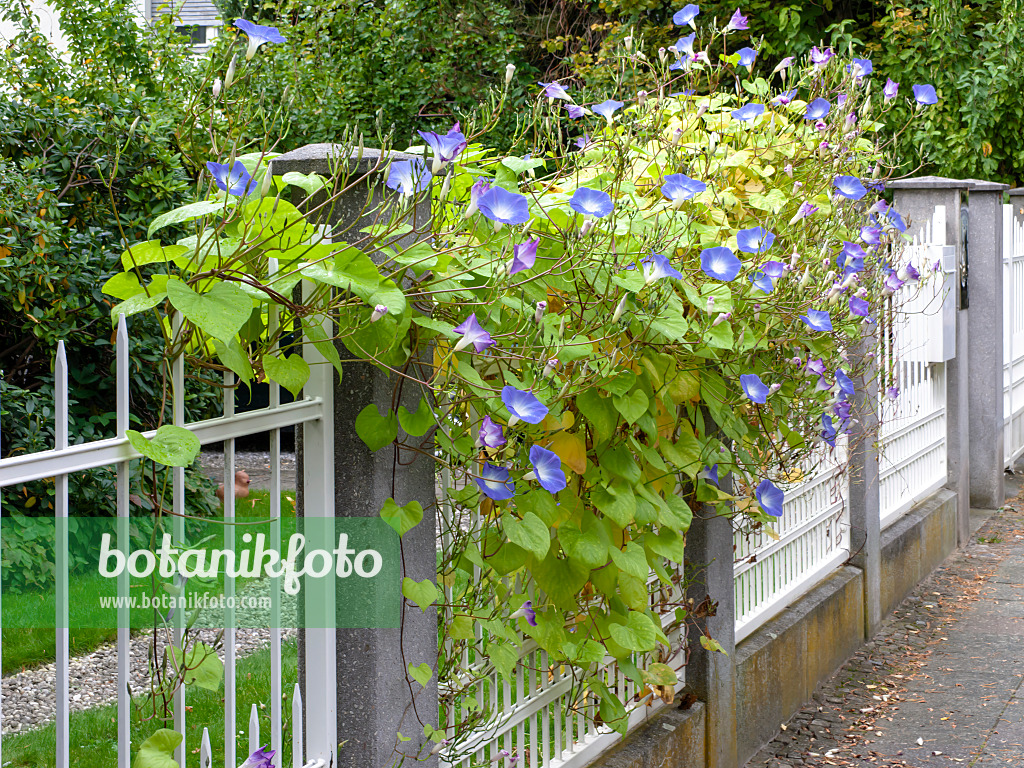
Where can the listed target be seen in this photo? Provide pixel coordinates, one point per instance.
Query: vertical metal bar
(230, 702)
(63, 732)
(124, 722)
(178, 525)
(297, 728)
(276, 693)
(205, 751)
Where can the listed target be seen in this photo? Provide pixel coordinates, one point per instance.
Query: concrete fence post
(985, 352)
(916, 200)
(374, 700)
(710, 674)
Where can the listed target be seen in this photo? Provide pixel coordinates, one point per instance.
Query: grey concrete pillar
(916, 200)
(865, 512)
(709, 674)
(374, 700)
(985, 352)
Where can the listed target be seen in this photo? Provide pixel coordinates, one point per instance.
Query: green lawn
(28, 647)
(94, 731)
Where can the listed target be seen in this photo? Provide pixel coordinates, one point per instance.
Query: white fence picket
(1013, 336)
(205, 752)
(124, 721)
(63, 720)
(178, 529)
(297, 728)
(254, 729)
(230, 683)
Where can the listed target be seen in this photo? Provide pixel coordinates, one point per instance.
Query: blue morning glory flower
(526, 612)
(828, 432)
(849, 187)
(261, 758)
(657, 266)
(817, 320)
(770, 498)
(258, 35)
(523, 405)
(235, 180)
(491, 434)
(473, 333)
(842, 411)
(774, 269)
(591, 202)
(500, 205)
(408, 176)
(677, 65)
(755, 389)
(754, 240)
(575, 111)
(738, 22)
(748, 112)
(821, 58)
(893, 283)
(524, 255)
(894, 219)
(816, 366)
(817, 109)
(685, 44)
(607, 108)
(785, 97)
(446, 148)
(679, 187)
(859, 306)
(686, 16)
(860, 67)
(547, 467)
(554, 91)
(762, 282)
(710, 474)
(747, 57)
(845, 382)
(851, 258)
(891, 89)
(924, 95)
(871, 235)
(495, 483)
(720, 263)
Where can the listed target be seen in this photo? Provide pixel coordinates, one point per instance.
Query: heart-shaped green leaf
(423, 593)
(171, 446)
(138, 303)
(185, 213)
(402, 519)
(530, 533)
(203, 668)
(150, 252)
(659, 674)
(421, 673)
(632, 405)
(587, 548)
(637, 634)
(419, 423)
(290, 371)
(158, 750)
(376, 430)
(234, 357)
(219, 313)
(122, 286)
(504, 658)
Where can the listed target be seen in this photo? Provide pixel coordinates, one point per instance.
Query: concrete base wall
(779, 666)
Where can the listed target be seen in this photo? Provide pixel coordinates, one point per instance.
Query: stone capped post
(374, 700)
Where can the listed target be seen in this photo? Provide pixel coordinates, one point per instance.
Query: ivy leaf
(171, 446)
(419, 423)
(637, 634)
(376, 430)
(219, 313)
(158, 750)
(421, 673)
(290, 371)
(402, 519)
(204, 669)
(423, 593)
(530, 533)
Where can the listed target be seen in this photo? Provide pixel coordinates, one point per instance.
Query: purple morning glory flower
(785, 97)
(842, 410)
(860, 67)
(554, 91)
(786, 63)
(710, 474)
(491, 435)
(575, 111)
(911, 273)
(774, 269)
(817, 320)
(890, 90)
(607, 108)
(822, 385)
(446, 148)
(235, 180)
(821, 58)
(547, 466)
(770, 498)
(582, 142)
(258, 35)
(261, 758)
(806, 209)
(748, 112)
(894, 219)
(475, 193)
(851, 258)
(656, 266)
(526, 612)
(506, 207)
(524, 255)
(924, 95)
(845, 382)
(828, 432)
(473, 333)
(816, 366)
(817, 109)
(591, 202)
(859, 306)
(720, 263)
(523, 405)
(686, 16)
(755, 389)
(495, 483)
(685, 44)
(754, 240)
(762, 282)
(738, 22)
(893, 283)
(679, 187)
(677, 65)
(871, 235)
(747, 57)
(849, 187)
(893, 393)
(408, 176)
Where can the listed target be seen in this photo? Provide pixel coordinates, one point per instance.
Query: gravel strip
(255, 463)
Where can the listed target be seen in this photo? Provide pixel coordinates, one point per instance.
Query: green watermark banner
(342, 573)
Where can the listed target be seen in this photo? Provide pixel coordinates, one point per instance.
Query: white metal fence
(1013, 336)
(318, 711)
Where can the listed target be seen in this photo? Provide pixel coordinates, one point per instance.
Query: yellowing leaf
(571, 450)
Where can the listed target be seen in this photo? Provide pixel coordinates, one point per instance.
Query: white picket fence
(314, 713)
(1013, 336)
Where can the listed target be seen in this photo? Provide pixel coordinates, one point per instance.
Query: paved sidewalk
(942, 684)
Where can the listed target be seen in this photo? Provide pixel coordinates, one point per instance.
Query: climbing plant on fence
(655, 306)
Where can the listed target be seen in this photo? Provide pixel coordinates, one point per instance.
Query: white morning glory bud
(378, 312)
(712, 143)
(439, 746)
(850, 280)
(877, 171)
(721, 318)
(216, 89)
(865, 110)
(662, 55)
(793, 258)
(797, 185)
(830, 276)
(561, 329)
(674, 51)
(641, 97)
(617, 315)
(677, 136)
(550, 366)
(788, 169)
(627, 43)
(229, 78)
(588, 224)
(510, 70)
(446, 186)
(711, 304)
(806, 278)
(702, 109)
(538, 314)
(774, 388)
(757, 312)
(861, 292)
(131, 129)
(266, 184)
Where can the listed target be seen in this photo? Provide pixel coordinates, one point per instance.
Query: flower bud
(588, 224)
(378, 312)
(550, 366)
(721, 318)
(134, 125)
(446, 186)
(216, 89)
(538, 314)
(774, 388)
(620, 309)
(510, 70)
(229, 78)
(788, 169)
(266, 184)
(793, 258)
(662, 55)
(627, 43)
(641, 97)
(677, 136)
(806, 278)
